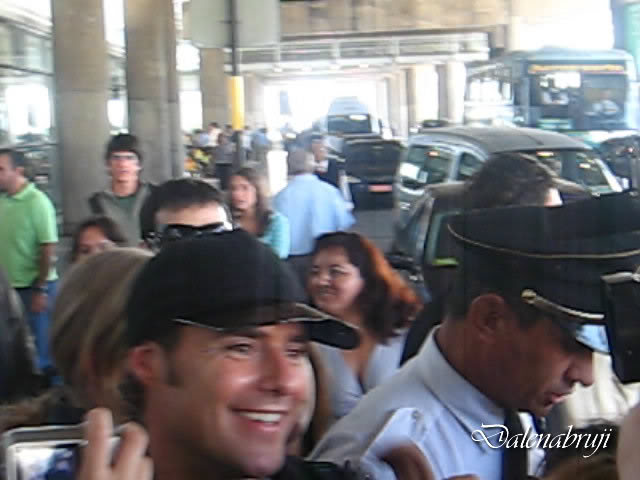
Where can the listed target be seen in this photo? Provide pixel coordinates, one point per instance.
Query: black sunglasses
(173, 232)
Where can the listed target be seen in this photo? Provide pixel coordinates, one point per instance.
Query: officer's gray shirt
(345, 386)
(426, 403)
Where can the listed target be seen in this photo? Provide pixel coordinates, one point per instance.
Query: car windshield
(432, 164)
(583, 167)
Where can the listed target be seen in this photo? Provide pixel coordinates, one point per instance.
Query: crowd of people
(217, 152)
(238, 334)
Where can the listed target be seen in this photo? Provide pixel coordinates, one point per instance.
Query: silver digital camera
(45, 453)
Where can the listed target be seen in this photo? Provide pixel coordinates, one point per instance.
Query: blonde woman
(87, 341)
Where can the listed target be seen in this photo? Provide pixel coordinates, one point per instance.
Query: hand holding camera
(130, 461)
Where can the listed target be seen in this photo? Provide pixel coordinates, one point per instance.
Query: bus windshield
(573, 100)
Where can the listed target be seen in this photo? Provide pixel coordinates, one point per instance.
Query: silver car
(442, 155)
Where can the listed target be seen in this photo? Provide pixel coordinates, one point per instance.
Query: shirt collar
(23, 192)
(304, 176)
(470, 406)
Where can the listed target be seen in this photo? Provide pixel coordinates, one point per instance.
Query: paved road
(377, 225)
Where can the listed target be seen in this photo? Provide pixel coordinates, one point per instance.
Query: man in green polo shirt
(28, 238)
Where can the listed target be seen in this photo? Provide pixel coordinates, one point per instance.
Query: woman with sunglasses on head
(250, 209)
(351, 280)
(96, 235)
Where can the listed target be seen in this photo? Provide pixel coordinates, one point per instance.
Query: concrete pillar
(451, 82)
(412, 93)
(393, 99)
(398, 111)
(178, 153)
(213, 84)
(82, 92)
(401, 76)
(254, 101)
(249, 100)
(618, 19)
(426, 92)
(152, 86)
(382, 102)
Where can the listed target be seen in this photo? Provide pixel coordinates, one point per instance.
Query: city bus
(589, 94)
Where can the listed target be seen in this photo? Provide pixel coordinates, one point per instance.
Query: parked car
(419, 248)
(622, 155)
(367, 154)
(443, 155)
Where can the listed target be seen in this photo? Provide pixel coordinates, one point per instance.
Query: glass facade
(27, 118)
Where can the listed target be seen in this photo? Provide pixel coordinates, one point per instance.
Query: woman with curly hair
(351, 280)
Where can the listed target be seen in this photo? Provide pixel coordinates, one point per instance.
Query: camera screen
(39, 461)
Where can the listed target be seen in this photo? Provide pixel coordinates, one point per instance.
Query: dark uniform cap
(225, 281)
(554, 257)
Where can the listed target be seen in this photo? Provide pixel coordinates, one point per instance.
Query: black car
(370, 165)
(423, 247)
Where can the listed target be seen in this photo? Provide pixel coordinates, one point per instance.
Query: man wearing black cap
(218, 359)
(524, 317)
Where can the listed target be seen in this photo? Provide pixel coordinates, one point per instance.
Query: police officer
(522, 322)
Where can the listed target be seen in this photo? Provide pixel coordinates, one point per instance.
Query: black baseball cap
(225, 281)
(554, 257)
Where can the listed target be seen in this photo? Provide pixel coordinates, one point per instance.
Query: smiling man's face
(232, 399)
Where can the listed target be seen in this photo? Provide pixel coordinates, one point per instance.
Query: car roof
(445, 189)
(500, 139)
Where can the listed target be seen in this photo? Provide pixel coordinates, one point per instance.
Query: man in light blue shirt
(313, 207)
(523, 319)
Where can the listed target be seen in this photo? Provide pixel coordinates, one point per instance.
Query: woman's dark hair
(18, 159)
(263, 209)
(509, 179)
(123, 142)
(387, 303)
(106, 225)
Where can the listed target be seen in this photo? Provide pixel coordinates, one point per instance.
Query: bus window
(554, 88)
(604, 97)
